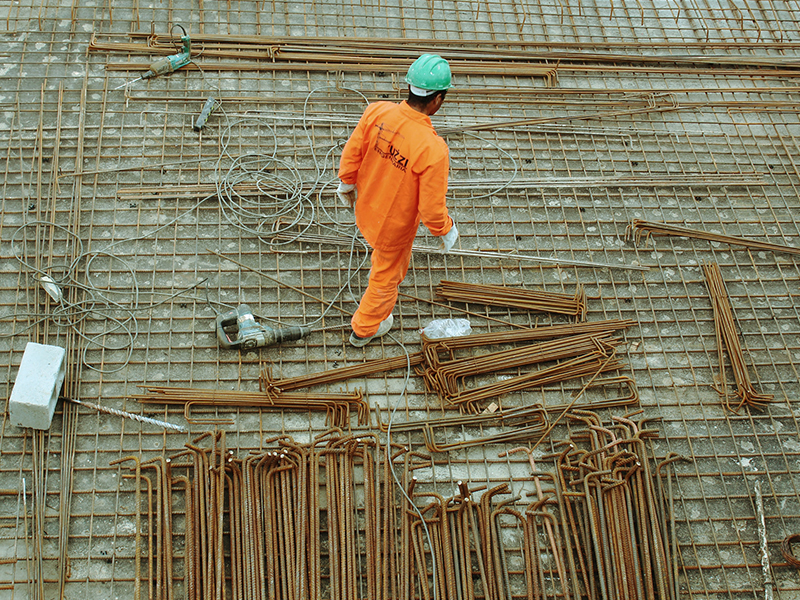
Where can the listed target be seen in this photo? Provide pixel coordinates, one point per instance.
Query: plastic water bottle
(444, 328)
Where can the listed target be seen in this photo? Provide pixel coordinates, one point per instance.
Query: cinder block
(41, 375)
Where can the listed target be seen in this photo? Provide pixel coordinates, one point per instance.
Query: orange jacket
(399, 166)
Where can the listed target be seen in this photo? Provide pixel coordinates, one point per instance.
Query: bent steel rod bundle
(433, 347)
(601, 360)
(597, 527)
(301, 520)
(589, 350)
(601, 517)
(336, 406)
(447, 380)
(326, 519)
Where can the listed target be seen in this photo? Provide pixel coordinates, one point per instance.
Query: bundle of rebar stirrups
(571, 351)
(345, 517)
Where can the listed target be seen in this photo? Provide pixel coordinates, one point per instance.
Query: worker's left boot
(383, 329)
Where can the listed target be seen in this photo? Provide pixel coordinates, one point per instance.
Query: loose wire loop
(786, 549)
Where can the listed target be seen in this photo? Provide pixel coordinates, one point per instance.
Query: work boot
(383, 329)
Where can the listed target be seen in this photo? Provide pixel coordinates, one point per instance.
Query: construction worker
(394, 171)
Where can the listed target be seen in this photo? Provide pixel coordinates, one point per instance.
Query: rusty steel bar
(369, 367)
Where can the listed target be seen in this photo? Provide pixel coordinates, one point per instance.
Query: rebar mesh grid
(684, 114)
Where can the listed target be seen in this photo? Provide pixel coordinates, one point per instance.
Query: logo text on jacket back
(385, 149)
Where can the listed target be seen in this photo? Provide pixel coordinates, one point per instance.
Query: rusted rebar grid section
(45, 251)
(639, 229)
(513, 297)
(728, 342)
(337, 406)
(340, 240)
(752, 178)
(518, 415)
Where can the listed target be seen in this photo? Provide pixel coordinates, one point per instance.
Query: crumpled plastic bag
(445, 328)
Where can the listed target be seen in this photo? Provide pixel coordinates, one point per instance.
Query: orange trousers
(389, 268)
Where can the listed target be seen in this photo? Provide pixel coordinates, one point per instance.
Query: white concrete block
(41, 375)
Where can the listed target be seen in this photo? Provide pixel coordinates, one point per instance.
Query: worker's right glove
(346, 193)
(449, 239)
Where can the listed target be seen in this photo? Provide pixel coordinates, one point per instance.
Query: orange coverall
(399, 166)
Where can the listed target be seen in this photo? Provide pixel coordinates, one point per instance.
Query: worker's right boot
(383, 329)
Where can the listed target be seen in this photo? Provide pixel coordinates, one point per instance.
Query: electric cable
(98, 305)
(283, 205)
(394, 474)
(499, 149)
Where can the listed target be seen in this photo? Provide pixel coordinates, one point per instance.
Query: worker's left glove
(346, 193)
(449, 239)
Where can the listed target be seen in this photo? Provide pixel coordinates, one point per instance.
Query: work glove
(346, 193)
(449, 239)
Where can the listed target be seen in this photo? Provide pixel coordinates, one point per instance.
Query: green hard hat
(429, 72)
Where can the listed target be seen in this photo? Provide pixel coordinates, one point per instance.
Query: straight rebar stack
(498, 295)
(470, 57)
(728, 343)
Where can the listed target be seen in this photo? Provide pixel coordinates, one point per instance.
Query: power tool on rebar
(238, 330)
(168, 64)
